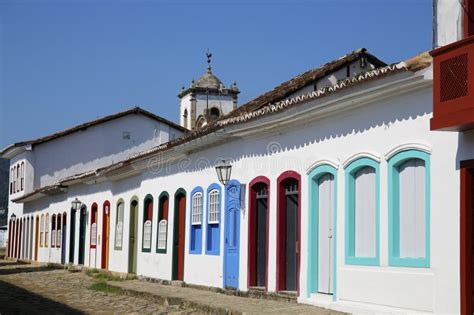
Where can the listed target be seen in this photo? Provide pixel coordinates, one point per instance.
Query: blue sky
(66, 62)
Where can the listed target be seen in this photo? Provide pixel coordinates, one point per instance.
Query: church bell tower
(206, 99)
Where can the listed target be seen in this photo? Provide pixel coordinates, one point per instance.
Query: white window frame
(162, 233)
(147, 233)
(197, 209)
(214, 207)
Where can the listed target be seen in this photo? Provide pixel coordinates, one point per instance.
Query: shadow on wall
(382, 114)
(465, 147)
(15, 300)
(375, 115)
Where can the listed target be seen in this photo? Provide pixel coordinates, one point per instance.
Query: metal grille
(453, 79)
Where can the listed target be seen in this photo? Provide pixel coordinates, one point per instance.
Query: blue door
(232, 234)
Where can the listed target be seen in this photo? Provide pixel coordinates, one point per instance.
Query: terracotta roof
(309, 77)
(256, 109)
(134, 110)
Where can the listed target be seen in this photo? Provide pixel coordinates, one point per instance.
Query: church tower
(206, 100)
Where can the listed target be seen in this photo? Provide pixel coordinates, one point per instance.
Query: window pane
(162, 234)
(94, 234)
(365, 205)
(197, 209)
(412, 209)
(147, 235)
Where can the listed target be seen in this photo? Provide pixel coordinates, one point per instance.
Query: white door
(325, 233)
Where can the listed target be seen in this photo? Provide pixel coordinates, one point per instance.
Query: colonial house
(333, 187)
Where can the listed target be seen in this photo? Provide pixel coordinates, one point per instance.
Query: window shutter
(365, 213)
(412, 209)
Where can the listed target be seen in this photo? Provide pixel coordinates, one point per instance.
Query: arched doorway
(105, 235)
(82, 234)
(179, 234)
(132, 238)
(288, 231)
(258, 232)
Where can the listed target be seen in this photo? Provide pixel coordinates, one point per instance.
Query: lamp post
(76, 204)
(13, 217)
(223, 170)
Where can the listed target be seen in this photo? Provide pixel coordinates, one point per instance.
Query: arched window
(42, 231)
(362, 212)
(196, 221)
(162, 236)
(22, 175)
(46, 230)
(147, 223)
(58, 230)
(94, 219)
(409, 208)
(215, 113)
(119, 225)
(185, 119)
(53, 231)
(213, 219)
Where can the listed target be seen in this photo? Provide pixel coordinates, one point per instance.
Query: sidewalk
(211, 302)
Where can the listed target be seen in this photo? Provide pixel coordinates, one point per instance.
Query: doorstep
(207, 301)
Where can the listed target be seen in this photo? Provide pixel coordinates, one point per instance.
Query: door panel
(82, 235)
(105, 237)
(36, 238)
(179, 236)
(72, 236)
(325, 235)
(232, 235)
(63, 240)
(132, 239)
(261, 241)
(291, 239)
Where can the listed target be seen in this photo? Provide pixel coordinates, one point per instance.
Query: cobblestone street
(34, 289)
(27, 289)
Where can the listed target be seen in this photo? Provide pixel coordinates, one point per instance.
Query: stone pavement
(212, 302)
(38, 289)
(33, 289)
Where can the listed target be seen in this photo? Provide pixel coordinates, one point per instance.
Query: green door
(132, 238)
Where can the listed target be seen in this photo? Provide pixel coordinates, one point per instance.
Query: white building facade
(340, 194)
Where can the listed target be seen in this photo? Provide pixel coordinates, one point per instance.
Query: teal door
(232, 235)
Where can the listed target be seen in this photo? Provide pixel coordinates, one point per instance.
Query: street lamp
(223, 170)
(76, 204)
(13, 217)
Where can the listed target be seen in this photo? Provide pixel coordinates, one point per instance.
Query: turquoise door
(232, 235)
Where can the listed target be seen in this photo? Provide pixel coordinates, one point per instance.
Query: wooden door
(82, 235)
(132, 238)
(288, 232)
(72, 236)
(232, 235)
(36, 238)
(325, 233)
(179, 236)
(105, 236)
(63, 238)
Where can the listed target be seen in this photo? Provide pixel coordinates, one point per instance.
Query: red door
(105, 236)
(182, 215)
(467, 237)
